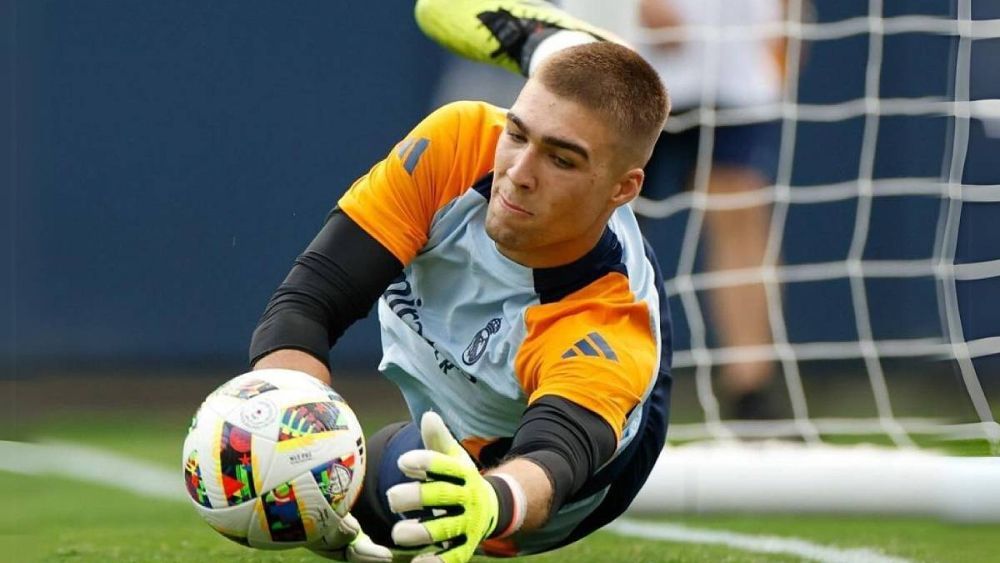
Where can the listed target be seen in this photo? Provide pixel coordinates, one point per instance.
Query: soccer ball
(274, 458)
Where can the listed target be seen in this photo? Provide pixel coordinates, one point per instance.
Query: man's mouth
(515, 208)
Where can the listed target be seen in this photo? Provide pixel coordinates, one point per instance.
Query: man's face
(556, 181)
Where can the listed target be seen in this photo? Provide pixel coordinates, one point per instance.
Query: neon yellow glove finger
(407, 497)
(449, 478)
(427, 464)
(478, 497)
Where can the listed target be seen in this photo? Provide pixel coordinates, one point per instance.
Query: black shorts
(755, 146)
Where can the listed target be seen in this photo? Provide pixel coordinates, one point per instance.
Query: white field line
(94, 465)
(84, 463)
(747, 542)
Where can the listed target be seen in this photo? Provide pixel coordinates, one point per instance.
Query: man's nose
(522, 169)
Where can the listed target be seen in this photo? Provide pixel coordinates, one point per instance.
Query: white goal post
(782, 477)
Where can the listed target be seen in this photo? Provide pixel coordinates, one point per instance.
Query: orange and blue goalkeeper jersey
(477, 337)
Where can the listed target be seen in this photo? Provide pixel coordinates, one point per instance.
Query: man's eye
(562, 162)
(516, 136)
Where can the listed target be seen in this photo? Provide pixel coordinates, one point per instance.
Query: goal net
(881, 270)
(882, 263)
(916, 268)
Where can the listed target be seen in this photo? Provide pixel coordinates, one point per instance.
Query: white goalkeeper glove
(347, 542)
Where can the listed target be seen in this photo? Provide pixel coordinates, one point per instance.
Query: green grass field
(58, 519)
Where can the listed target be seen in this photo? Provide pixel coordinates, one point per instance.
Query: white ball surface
(273, 458)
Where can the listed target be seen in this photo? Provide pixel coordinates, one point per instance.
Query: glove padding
(464, 504)
(347, 542)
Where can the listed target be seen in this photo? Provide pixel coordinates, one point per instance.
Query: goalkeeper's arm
(557, 448)
(334, 282)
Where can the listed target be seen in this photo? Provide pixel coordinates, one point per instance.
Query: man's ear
(628, 187)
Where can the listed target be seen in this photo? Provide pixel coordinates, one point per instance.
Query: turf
(57, 519)
(54, 519)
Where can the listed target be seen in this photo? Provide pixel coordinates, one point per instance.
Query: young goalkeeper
(522, 315)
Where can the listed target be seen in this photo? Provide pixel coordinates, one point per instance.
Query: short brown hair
(617, 83)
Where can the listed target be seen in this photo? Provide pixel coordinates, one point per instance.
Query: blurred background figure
(702, 73)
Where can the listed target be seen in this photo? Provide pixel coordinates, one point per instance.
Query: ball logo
(335, 478)
(258, 414)
(340, 480)
(477, 347)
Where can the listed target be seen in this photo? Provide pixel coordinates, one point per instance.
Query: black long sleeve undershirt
(568, 441)
(334, 282)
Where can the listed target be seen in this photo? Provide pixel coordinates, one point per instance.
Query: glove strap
(511, 504)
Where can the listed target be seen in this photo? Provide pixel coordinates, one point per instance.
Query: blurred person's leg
(737, 239)
(745, 158)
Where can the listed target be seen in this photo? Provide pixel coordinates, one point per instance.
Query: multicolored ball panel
(282, 514)
(310, 418)
(236, 464)
(194, 482)
(248, 389)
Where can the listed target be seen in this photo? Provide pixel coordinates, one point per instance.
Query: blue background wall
(170, 159)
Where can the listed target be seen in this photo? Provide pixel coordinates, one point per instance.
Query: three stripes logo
(591, 345)
(410, 151)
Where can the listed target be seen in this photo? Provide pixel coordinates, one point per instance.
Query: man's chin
(502, 235)
(494, 228)
(498, 235)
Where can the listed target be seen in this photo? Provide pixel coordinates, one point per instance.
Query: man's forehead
(534, 96)
(544, 113)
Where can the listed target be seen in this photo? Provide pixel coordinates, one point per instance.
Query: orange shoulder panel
(595, 347)
(438, 161)
(475, 444)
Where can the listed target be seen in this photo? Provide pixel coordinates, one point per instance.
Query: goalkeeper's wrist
(511, 504)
